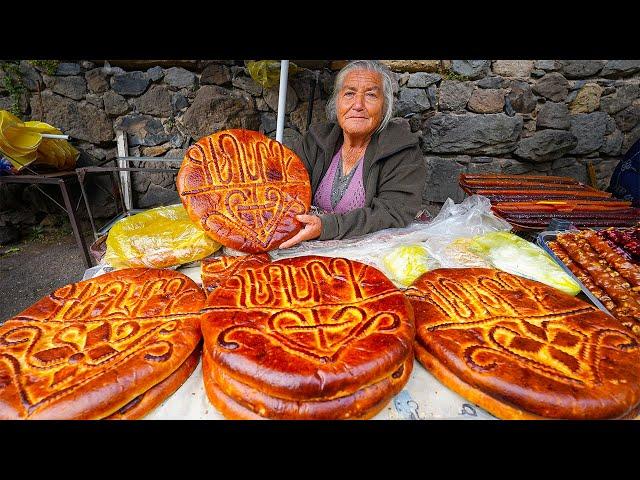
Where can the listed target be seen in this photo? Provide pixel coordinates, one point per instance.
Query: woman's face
(359, 103)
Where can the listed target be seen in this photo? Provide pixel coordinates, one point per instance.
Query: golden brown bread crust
(451, 381)
(143, 404)
(354, 405)
(91, 347)
(214, 271)
(244, 189)
(358, 406)
(228, 407)
(525, 345)
(308, 328)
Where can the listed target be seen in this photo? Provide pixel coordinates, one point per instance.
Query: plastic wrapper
(405, 263)
(160, 237)
(510, 253)
(458, 254)
(22, 144)
(451, 230)
(471, 217)
(267, 72)
(462, 235)
(465, 220)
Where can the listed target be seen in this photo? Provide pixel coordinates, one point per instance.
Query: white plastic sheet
(422, 398)
(470, 218)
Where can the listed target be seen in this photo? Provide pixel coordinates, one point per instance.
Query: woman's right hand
(311, 230)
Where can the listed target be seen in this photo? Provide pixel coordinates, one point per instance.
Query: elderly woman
(366, 173)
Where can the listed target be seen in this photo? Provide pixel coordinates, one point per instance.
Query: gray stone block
(490, 134)
(546, 145)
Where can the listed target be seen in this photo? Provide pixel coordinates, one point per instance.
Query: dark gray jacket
(393, 174)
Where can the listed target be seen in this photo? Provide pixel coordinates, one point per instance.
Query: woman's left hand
(312, 229)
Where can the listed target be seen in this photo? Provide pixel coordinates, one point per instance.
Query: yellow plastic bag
(158, 238)
(267, 72)
(22, 143)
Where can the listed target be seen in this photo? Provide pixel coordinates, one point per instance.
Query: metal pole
(125, 176)
(74, 223)
(282, 98)
(55, 136)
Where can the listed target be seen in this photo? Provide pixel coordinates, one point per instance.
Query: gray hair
(387, 88)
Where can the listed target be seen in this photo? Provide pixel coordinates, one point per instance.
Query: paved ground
(38, 267)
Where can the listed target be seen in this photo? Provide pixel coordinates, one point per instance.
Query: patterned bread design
(305, 338)
(521, 349)
(90, 348)
(244, 189)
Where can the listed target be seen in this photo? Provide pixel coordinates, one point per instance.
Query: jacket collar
(392, 139)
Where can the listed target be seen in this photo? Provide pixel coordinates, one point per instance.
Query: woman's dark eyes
(368, 94)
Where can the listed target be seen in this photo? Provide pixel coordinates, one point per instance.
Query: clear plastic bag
(461, 236)
(470, 218)
(160, 237)
(459, 221)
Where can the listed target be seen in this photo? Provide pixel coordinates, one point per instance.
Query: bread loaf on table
(306, 338)
(92, 347)
(522, 349)
(152, 398)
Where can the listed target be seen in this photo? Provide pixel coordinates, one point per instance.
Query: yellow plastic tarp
(22, 143)
(158, 238)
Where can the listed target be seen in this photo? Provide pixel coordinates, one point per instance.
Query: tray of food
(606, 263)
(530, 202)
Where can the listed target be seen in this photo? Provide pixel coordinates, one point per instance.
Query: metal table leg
(74, 223)
(81, 175)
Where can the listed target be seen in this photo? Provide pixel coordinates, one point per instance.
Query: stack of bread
(115, 346)
(303, 338)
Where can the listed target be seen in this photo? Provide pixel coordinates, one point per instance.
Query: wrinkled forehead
(367, 79)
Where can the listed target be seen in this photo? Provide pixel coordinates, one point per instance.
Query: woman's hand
(312, 229)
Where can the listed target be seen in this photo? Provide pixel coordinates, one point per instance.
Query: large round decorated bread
(521, 349)
(244, 189)
(305, 338)
(92, 348)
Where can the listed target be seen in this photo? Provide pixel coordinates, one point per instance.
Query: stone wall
(513, 116)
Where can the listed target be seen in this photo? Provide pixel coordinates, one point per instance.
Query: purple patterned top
(353, 197)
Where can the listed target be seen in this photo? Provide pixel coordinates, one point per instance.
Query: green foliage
(9, 251)
(48, 66)
(13, 83)
(36, 232)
